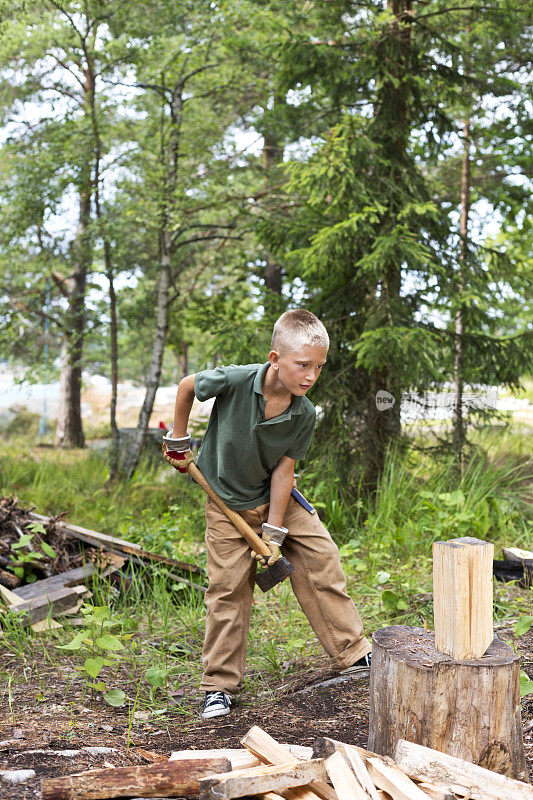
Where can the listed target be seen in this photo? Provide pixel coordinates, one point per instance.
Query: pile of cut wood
(45, 564)
(269, 770)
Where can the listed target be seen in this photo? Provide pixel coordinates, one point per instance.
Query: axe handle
(255, 541)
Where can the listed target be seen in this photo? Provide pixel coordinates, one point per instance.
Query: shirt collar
(297, 405)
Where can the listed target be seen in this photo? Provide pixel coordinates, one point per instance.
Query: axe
(267, 578)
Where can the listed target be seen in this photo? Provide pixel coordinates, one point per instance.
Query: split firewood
(173, 779)
(358, 758)
(343, 779)
(270, 751)
(358, 766)
(258, 780)
(462, 592)
(440, 792)
(239, 757)
(323, 747)
(270, 796)
(430, 765)
(394, 781)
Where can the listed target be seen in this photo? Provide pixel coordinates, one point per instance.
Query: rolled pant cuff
(212, 687)
(352, 655)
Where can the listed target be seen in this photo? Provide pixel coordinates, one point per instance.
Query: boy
(260, 424)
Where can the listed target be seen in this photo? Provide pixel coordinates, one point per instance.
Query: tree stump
(469, 709)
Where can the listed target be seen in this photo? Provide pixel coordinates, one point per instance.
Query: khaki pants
(318, 583)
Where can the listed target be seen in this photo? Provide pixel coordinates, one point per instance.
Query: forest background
(173, 176)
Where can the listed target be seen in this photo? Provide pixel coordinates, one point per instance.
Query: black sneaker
(216, 704)
(361, 667)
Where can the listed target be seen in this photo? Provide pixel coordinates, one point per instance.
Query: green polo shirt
(240, 447)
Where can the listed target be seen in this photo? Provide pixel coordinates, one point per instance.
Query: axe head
(274, 574)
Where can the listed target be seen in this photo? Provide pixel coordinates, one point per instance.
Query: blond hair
(296, 329)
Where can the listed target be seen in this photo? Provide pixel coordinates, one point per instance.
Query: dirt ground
(45, 726)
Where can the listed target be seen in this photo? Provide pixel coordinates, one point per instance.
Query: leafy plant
(100, 648)
(523, 625)
(526, 684)
(23, 561)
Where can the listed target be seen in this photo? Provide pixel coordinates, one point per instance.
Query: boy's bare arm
(281, 484)
(182, 409)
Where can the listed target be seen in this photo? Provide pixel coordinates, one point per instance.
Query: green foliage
(526, 685)
(24, 561)
(99, 648)
(523, 625)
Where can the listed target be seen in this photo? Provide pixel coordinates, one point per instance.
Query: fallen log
(118, 546)
(483, 784)
(259, 780)
(172, 779)
(268, 750)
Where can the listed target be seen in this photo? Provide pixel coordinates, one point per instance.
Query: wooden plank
(46, 625)
(430, 765)
(64, 580)
(462, 594)
(39, 626)
(119, 546)
(343, 779)
(10, 597)
(72, 577)
(177, 778)
(268, 750)
(39, 607)
(258, 780)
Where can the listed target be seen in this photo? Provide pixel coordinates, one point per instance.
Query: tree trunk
(383, 410)
(114, 454)
(69, 430)
(458, 421)
(272, 156)
(169, 156)
(469, 709)
(154, 375)
(183, 360)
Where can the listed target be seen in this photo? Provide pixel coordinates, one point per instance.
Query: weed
(101, 648)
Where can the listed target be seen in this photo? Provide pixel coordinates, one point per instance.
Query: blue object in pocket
(303, 502)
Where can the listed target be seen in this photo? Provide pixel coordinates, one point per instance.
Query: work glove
(177, 452)
(273, 537)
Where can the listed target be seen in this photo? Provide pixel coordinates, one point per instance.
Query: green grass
(385, 544)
